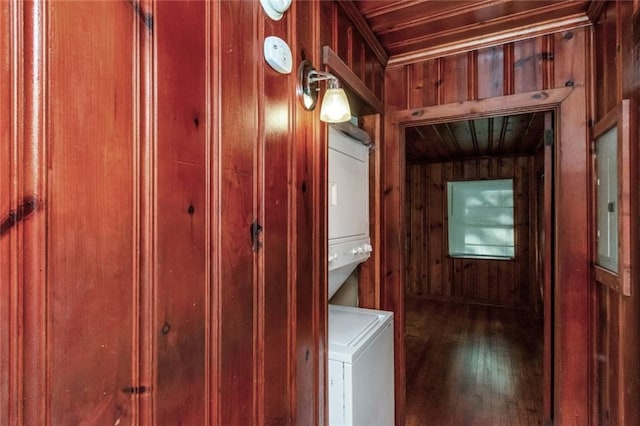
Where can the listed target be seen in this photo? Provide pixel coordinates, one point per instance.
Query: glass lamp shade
(335, 107)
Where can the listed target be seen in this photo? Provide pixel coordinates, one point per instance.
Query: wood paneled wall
(431, 272)
(454, 85)
(162, 247)
(615, 322)
(165, 139)
(524, 66)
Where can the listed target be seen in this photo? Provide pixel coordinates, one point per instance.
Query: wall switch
(278, 54)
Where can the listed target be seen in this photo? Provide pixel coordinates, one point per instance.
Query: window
(481, 219)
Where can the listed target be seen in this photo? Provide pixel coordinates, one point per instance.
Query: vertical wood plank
(469, 279)
(373, 72)
(447, 261)
(455, 78)
(396, 88)
(484, 168)
(494, 271)
(567, 70)
(418, 87)
(483, 280)
(145, 161)
(309, 264)
(179, 31)
(547, 247)
(469, 169)
(548, 62)
(606, 368)
(416, 199)
(528, 59)
(238, 211)
(490, 73)
(369, 275)
(91, 229)
(472, 75)
(435, 206)
(506, 270)
(616, 367)
(629, 40)
(378, 79)
(605, 56)
(571, 303)
(276, 161)
(343, 32)
(458, 279)
(392, 295)
(432, 82)
(508, 57)
(357, 50)
(522, 230)
(408, 265)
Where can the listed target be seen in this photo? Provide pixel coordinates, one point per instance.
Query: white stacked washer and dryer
(360, 367)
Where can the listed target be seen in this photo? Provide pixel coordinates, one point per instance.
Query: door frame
(572, 247)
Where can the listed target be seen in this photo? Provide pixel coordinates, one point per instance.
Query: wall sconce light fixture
(335, 107)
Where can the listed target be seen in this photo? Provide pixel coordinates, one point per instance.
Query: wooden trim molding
(351, 10)
(595, 9)
(35, 363)
(606, 277)
(490, 107)
(349, 79)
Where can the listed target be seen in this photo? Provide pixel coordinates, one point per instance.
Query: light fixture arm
(332, 80)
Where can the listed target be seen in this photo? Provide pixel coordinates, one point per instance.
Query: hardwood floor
(472, 365)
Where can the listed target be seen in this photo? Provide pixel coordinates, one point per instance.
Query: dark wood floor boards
(472, 365)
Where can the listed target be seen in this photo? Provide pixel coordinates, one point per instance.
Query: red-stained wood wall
(162, 250)
(494, 80)
(431, 272)
(615, 355)
(145, 138)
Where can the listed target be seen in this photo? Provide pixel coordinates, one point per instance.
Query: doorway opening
(478, 269)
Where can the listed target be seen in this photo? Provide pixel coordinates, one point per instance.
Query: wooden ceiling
(411, 30)
(408, 31)
(493, 136)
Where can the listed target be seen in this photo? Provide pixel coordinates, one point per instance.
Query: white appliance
(349, 243)
(360, 369)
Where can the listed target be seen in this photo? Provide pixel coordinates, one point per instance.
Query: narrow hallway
(472, 365)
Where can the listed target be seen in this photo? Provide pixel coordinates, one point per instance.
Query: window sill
(478, 257)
